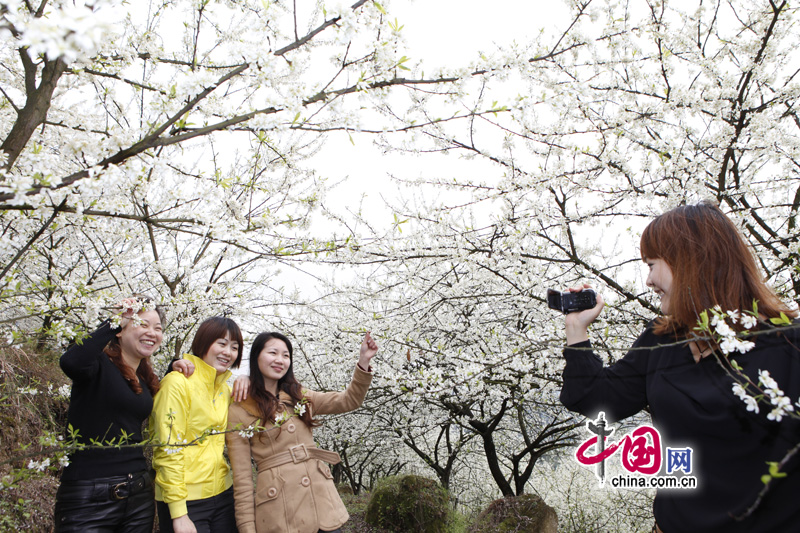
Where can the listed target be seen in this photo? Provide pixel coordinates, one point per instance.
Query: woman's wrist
(576, 334)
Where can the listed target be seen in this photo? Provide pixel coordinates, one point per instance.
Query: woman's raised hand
(368, 350)
(125, 310)
(577, 323)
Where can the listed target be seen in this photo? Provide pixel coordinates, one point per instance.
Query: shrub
(409, 503)
(526, 513)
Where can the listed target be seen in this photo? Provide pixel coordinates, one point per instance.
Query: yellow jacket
(183, 410)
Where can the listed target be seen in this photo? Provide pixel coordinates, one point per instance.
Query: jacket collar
(206, 372)
(250, 406)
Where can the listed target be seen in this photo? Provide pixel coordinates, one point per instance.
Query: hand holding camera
(581, 305)
(569, 301)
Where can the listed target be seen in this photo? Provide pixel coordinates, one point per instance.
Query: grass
(357, 506)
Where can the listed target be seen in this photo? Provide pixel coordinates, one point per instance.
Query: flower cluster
(39, 466)
(724, 334)
(62, 392)
(783, 405)
(281, 417)
(749, 401)
(172, 451)
(729, 341)
(70, 32)
(769, 390)
(131, 307)
(299, 410)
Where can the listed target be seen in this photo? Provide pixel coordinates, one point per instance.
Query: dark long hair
(266, 402)
(217, 327)
(711, 265)
(145, 369)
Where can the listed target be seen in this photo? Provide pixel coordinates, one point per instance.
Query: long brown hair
(145, 369)
(711, 265)
(266, 402)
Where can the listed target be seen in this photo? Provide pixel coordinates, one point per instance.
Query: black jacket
(692, 404)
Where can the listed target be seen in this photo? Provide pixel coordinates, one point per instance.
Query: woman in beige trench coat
(294, 490)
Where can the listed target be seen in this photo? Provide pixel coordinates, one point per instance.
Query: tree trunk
(36, 106)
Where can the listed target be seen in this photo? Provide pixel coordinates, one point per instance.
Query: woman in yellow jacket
(193, 480)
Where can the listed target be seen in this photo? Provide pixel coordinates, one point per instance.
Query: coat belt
(298, 454)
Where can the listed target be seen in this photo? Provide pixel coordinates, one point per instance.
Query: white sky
(439, 33)
(452, 32)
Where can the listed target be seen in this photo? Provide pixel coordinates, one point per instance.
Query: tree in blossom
(629, 109)
(165, 149)
(159, 147)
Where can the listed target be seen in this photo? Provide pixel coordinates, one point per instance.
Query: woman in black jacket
(108, 488)
(698, 261)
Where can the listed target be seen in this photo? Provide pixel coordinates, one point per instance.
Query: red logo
(641, 451)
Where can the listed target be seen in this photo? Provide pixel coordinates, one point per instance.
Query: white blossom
(71, 32)
(281, 417)
(766, 380)
(751, 403)
(39, 466)
(723, 329)
(247, 432)
(739, 391)
(749, 321)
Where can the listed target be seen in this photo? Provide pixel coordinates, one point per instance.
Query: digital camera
(568, 302)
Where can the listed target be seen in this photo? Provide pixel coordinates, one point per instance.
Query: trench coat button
(305, 481)
(272, 492)
(290, 428)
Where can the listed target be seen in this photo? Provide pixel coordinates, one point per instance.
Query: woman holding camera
(108, 488)
(698, 261)
(294, 491)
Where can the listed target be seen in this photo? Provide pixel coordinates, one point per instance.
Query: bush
(526, 513)
(409, 503)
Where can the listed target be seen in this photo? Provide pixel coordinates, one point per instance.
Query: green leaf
(783, 320)
(703, 322)
(774, 472)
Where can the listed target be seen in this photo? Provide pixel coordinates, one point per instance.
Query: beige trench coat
(297, 496)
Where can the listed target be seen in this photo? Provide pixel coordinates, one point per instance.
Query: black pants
(210, 515)
(119, 504)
